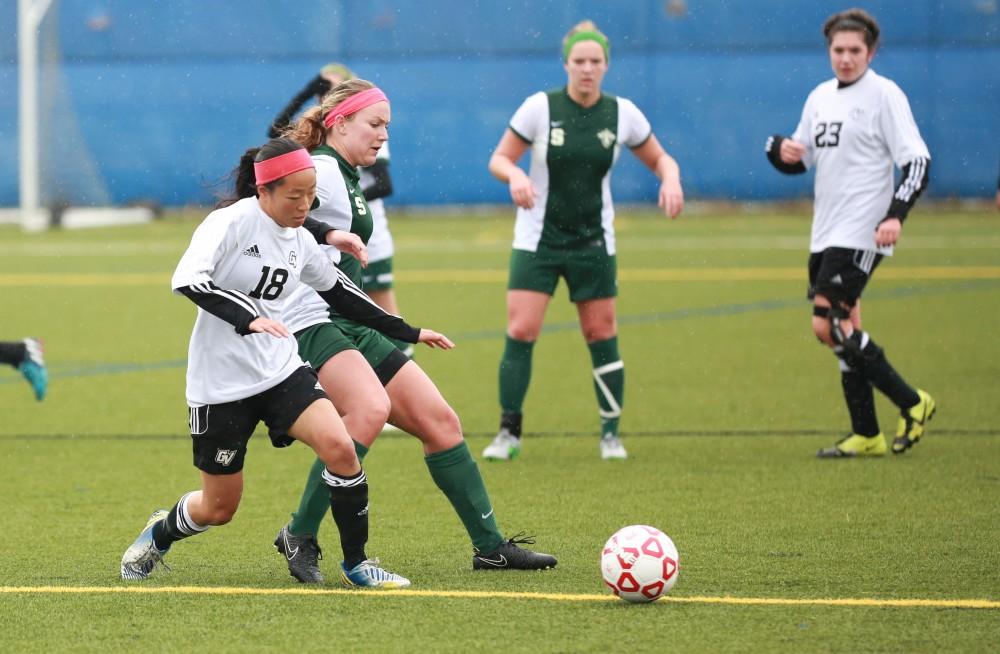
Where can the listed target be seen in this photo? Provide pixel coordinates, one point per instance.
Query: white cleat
(505, 447)
(612, 449)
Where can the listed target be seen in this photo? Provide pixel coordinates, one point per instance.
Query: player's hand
(792, 151)
(671, 198)
(434, 339)
(350, 243)
(267, 326)
(522, 191)
(887, 232)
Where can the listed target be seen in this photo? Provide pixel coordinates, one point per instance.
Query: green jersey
(572, 151)
(342, 204)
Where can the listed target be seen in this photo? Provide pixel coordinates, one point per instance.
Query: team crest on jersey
(856, 113)
(607, 137)
(291, 258)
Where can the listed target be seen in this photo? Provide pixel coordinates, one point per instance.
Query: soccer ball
(639, 563)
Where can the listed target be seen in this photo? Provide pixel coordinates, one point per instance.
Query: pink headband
(354, 104)
(282, 165)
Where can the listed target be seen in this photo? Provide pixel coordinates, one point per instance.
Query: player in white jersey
(242, 267)
(368, 378)
(565, 226)
(853, 129)
(376, 184)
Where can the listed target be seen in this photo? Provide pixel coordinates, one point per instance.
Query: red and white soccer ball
(640, 563)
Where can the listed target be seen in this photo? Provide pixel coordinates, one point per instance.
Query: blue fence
(166, 96)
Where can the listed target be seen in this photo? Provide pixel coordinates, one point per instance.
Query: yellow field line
(459, 276)
(474, 594)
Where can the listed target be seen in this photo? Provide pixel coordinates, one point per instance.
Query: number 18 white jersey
(241, 254)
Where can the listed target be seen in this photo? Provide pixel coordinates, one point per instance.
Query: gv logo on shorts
(225, 457)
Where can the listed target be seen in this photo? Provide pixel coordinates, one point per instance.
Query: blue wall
(165, 97)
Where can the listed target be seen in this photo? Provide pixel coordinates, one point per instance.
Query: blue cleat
(368, 574)
(142, 556)
(33, 368)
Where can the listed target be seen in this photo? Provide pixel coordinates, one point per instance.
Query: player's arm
(352, 303)
(382, 186)
(317, 87)
(503, 166)
(916, 174)
(232, 306)
(652, 154)
(326, 234)
(785, 154)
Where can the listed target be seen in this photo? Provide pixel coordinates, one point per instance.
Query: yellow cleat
(855, 445)
(912, 421)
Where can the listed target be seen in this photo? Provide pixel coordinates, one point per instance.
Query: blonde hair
(309, 129)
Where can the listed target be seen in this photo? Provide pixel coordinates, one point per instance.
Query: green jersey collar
(350, 172)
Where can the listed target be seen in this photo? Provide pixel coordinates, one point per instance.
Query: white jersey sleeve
(898, 127)
(531, 120)
(318, 271)
(210, 241)
(633, 127)
(804, 131)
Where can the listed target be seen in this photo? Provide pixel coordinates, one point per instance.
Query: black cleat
(508, 556)
(302, 554)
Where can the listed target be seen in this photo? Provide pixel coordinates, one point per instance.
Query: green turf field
(728, 399)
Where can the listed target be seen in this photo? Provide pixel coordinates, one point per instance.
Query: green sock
(315, 501)
(609, 383)
(455, 472)
(515, 374)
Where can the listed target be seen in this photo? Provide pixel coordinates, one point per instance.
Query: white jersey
(380, 244)
(572, 152)
(853, 136)
(258, 265)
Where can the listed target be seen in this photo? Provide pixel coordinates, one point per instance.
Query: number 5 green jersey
(572, 151)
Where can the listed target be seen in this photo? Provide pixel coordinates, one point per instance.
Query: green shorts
(590, 274)
(377, 276)
(317, 344)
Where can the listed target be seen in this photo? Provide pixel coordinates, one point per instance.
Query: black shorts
(840, 274)
(220, 432)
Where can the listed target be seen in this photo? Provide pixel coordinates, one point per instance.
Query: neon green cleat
(855, 445)
(912, 421)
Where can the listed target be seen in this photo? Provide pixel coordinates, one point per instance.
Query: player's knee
(523, 332)
(221, 513)
(336, 452)
(821, 325)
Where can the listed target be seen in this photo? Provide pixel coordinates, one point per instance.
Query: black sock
(177, 526)
(882, 375)
(12, 353)
(860, 401)
(511, 422)
(349, 504)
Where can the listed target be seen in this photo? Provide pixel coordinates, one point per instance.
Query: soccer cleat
(505, 446)
(302, 554)
(33, 367)
(142, 555)
(508, 556)
(612, 449)
(368, 574)
(912, 422)
(855, 445)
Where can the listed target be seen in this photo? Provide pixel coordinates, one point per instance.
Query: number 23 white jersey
(853, 136)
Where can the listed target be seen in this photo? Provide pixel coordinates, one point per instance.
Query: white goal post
(37, 209)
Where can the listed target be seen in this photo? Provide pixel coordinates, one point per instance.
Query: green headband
(587, 36)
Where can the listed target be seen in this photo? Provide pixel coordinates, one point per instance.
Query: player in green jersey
(368, 379)
(565, 225)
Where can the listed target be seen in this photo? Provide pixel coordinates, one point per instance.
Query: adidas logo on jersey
(252, 251)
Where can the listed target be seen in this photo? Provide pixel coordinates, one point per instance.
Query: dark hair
(852, 20)
(244, 181)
